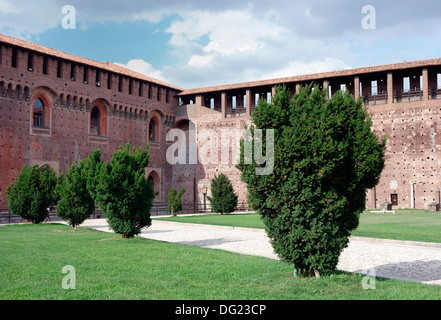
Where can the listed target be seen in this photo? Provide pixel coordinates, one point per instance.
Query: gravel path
(411, 261)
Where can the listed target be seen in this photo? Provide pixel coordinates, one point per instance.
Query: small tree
(33, 193)
(123, 193)
(174, 204)
(325, 158)
(76, 203)
(223, 198)
(92, 168)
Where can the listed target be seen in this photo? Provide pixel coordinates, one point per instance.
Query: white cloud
(237, 46)
(8, 7)
(141, 66)
(27, 17)
(200, 61)
(228, 31)
(295, 68)
(218, 42)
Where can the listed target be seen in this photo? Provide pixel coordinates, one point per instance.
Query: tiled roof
(315, 76)
(235, 86)
(107, 66)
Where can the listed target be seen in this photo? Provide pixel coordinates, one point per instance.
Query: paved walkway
(411, 261)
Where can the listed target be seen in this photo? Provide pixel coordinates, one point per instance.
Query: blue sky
(111, 41)
(201, 43)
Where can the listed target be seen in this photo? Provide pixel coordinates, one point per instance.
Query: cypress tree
(76, 202)
(123, 192)
(325, 158)
(33, 193)
(223, 198)
(174, 204)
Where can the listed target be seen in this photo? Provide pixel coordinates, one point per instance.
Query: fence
(158, 209)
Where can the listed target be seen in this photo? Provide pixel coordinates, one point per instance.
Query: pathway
(411, 261)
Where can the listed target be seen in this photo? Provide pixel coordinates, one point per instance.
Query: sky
(192, 44)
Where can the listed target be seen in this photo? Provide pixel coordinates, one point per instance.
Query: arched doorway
(154, 177)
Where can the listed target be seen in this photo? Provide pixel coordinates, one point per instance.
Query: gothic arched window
(153, 130)
(38, 113)
(95, 119)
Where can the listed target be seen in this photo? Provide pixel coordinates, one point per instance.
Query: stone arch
(41, 111)
(48, 92)
(154, 129)
(45, 165)
(27, 93)
(36, 151)
(98, 118)
(69, 101)
(81, 103)
(50, 166)
(75, 102)
(10, 92)
(155, 177)
(19, 91)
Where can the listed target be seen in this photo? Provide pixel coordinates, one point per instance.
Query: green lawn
(109, 268)
(246, 220)
(411, 225)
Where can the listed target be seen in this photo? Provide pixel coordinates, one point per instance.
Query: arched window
(153, 130)
(95, 119)
(38, 113)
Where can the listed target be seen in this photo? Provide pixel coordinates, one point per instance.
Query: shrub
(174, 204)
(33, 193)
(92, 168)
(223, 198)
(76, 203)
(325, 158)
(123, 193)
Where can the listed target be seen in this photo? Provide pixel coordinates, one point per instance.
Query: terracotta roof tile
(235, 86)
(107, 66)
(316, 76)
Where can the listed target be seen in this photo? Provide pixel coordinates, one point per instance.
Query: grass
(108, 268)
(410, 225)
(246, 220)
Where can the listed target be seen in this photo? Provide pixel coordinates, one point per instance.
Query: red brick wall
(67, 137)
(412, 153)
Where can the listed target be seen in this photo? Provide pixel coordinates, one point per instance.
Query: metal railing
(238, 111)
(435, 93)
(372, 100)
(408, 95)
(7, 217)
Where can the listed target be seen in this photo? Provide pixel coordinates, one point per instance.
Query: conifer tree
(123, 192)
(223, 198)
(76, 203)
(92, 167)
(325, 158)
(33, 193)
(174, 204)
